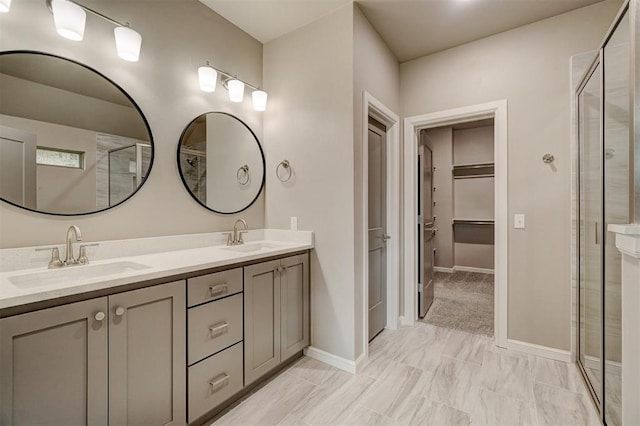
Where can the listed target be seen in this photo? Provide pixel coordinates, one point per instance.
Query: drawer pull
(218, 328)
(216, 383)
(218, 289)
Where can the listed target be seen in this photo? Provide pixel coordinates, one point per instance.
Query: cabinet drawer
(213, 286)
(214, 326)
(214, 380)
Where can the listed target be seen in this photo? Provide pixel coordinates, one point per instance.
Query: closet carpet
(463, 301)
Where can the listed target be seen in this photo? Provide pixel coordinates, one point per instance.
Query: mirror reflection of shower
(194, 171)
(128, 166)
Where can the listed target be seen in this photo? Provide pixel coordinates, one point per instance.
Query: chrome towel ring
(284, 171)
(243, 175)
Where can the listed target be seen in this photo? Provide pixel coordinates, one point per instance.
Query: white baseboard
(334, 360)
(472, 269)
(405, 321)
(443, 269)
(539, 350)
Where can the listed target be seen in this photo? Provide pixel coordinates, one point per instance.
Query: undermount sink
(251, 247)
(73, 273)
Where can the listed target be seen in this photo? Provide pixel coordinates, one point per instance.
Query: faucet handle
(55, 261)
(82, 256)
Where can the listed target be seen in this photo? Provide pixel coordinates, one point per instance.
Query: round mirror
(221, 162)
(71, 141)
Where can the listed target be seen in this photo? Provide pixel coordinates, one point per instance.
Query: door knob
(119, 311)
(431, 229)
(385, 237)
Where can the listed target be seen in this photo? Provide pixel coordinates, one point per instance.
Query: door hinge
(420, 219)
(420, 287)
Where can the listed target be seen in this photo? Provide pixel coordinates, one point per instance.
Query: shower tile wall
(105, 143)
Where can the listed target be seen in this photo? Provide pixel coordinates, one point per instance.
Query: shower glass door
(591, 231)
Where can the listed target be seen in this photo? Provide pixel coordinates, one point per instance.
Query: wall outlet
(294, 223)
(518, 221)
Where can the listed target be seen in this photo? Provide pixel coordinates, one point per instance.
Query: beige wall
(528, 66)
(309, 75)
(178, 36)
(375, 70)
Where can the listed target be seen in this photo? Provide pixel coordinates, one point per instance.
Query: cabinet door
(294, 288)
(147, 356)
(261, 319)
(53, 366)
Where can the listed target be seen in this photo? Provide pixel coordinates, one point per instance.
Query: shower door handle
(596, 232)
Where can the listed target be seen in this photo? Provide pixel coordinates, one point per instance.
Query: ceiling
(411, 28)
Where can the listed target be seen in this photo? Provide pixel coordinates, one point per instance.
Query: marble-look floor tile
(332, 402)
(495, 409)
(556, 406)
(452, 382)
(465, 347)
(291, 421)
(364, 416)
(386, 390)
(507, 375)
(311, 370)
(557, 373)
(271, 404)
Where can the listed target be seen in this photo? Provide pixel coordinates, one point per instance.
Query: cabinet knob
(119, 311)
(99, 316)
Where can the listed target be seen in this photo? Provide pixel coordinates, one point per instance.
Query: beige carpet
(463, 301)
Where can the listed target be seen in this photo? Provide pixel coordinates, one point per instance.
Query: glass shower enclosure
(605, 194)
(128, 166)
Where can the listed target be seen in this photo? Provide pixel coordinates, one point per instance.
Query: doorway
(456, 191)
(412, 129)
(377, 220)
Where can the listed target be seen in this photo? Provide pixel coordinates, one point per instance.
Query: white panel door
(18, 167)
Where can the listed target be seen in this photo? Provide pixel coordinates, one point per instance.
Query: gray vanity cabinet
(147, 355)
(276, 309)
(117, 359)
(53, 366)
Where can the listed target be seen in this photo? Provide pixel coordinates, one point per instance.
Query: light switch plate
(294, 223)
(518, 221)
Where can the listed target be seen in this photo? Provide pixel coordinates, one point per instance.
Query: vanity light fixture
(208, 78)
(236, 90)
(69, 17)
(5, 5)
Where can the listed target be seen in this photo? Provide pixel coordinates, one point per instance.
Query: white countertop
(22, 286)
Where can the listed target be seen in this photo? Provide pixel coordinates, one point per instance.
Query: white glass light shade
(5, 5)
(69, 19)
(259, 100)
(236, 90)
(208, 78)
(128, 43)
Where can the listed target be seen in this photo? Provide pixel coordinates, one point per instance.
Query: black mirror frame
(135, 105)
(184, 182)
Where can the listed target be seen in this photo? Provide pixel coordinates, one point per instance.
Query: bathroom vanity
(161, 338)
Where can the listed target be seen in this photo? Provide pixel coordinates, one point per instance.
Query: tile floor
(423, 375)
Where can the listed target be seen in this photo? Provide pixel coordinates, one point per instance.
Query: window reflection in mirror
(221, 162)
(71, 141)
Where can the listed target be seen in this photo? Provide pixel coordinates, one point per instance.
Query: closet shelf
(469, 171)
(473, 231)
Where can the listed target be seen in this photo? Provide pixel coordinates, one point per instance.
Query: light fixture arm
(230, 76)
(93, 12)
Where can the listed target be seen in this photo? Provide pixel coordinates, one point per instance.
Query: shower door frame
(601, 232)
(632, 7)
